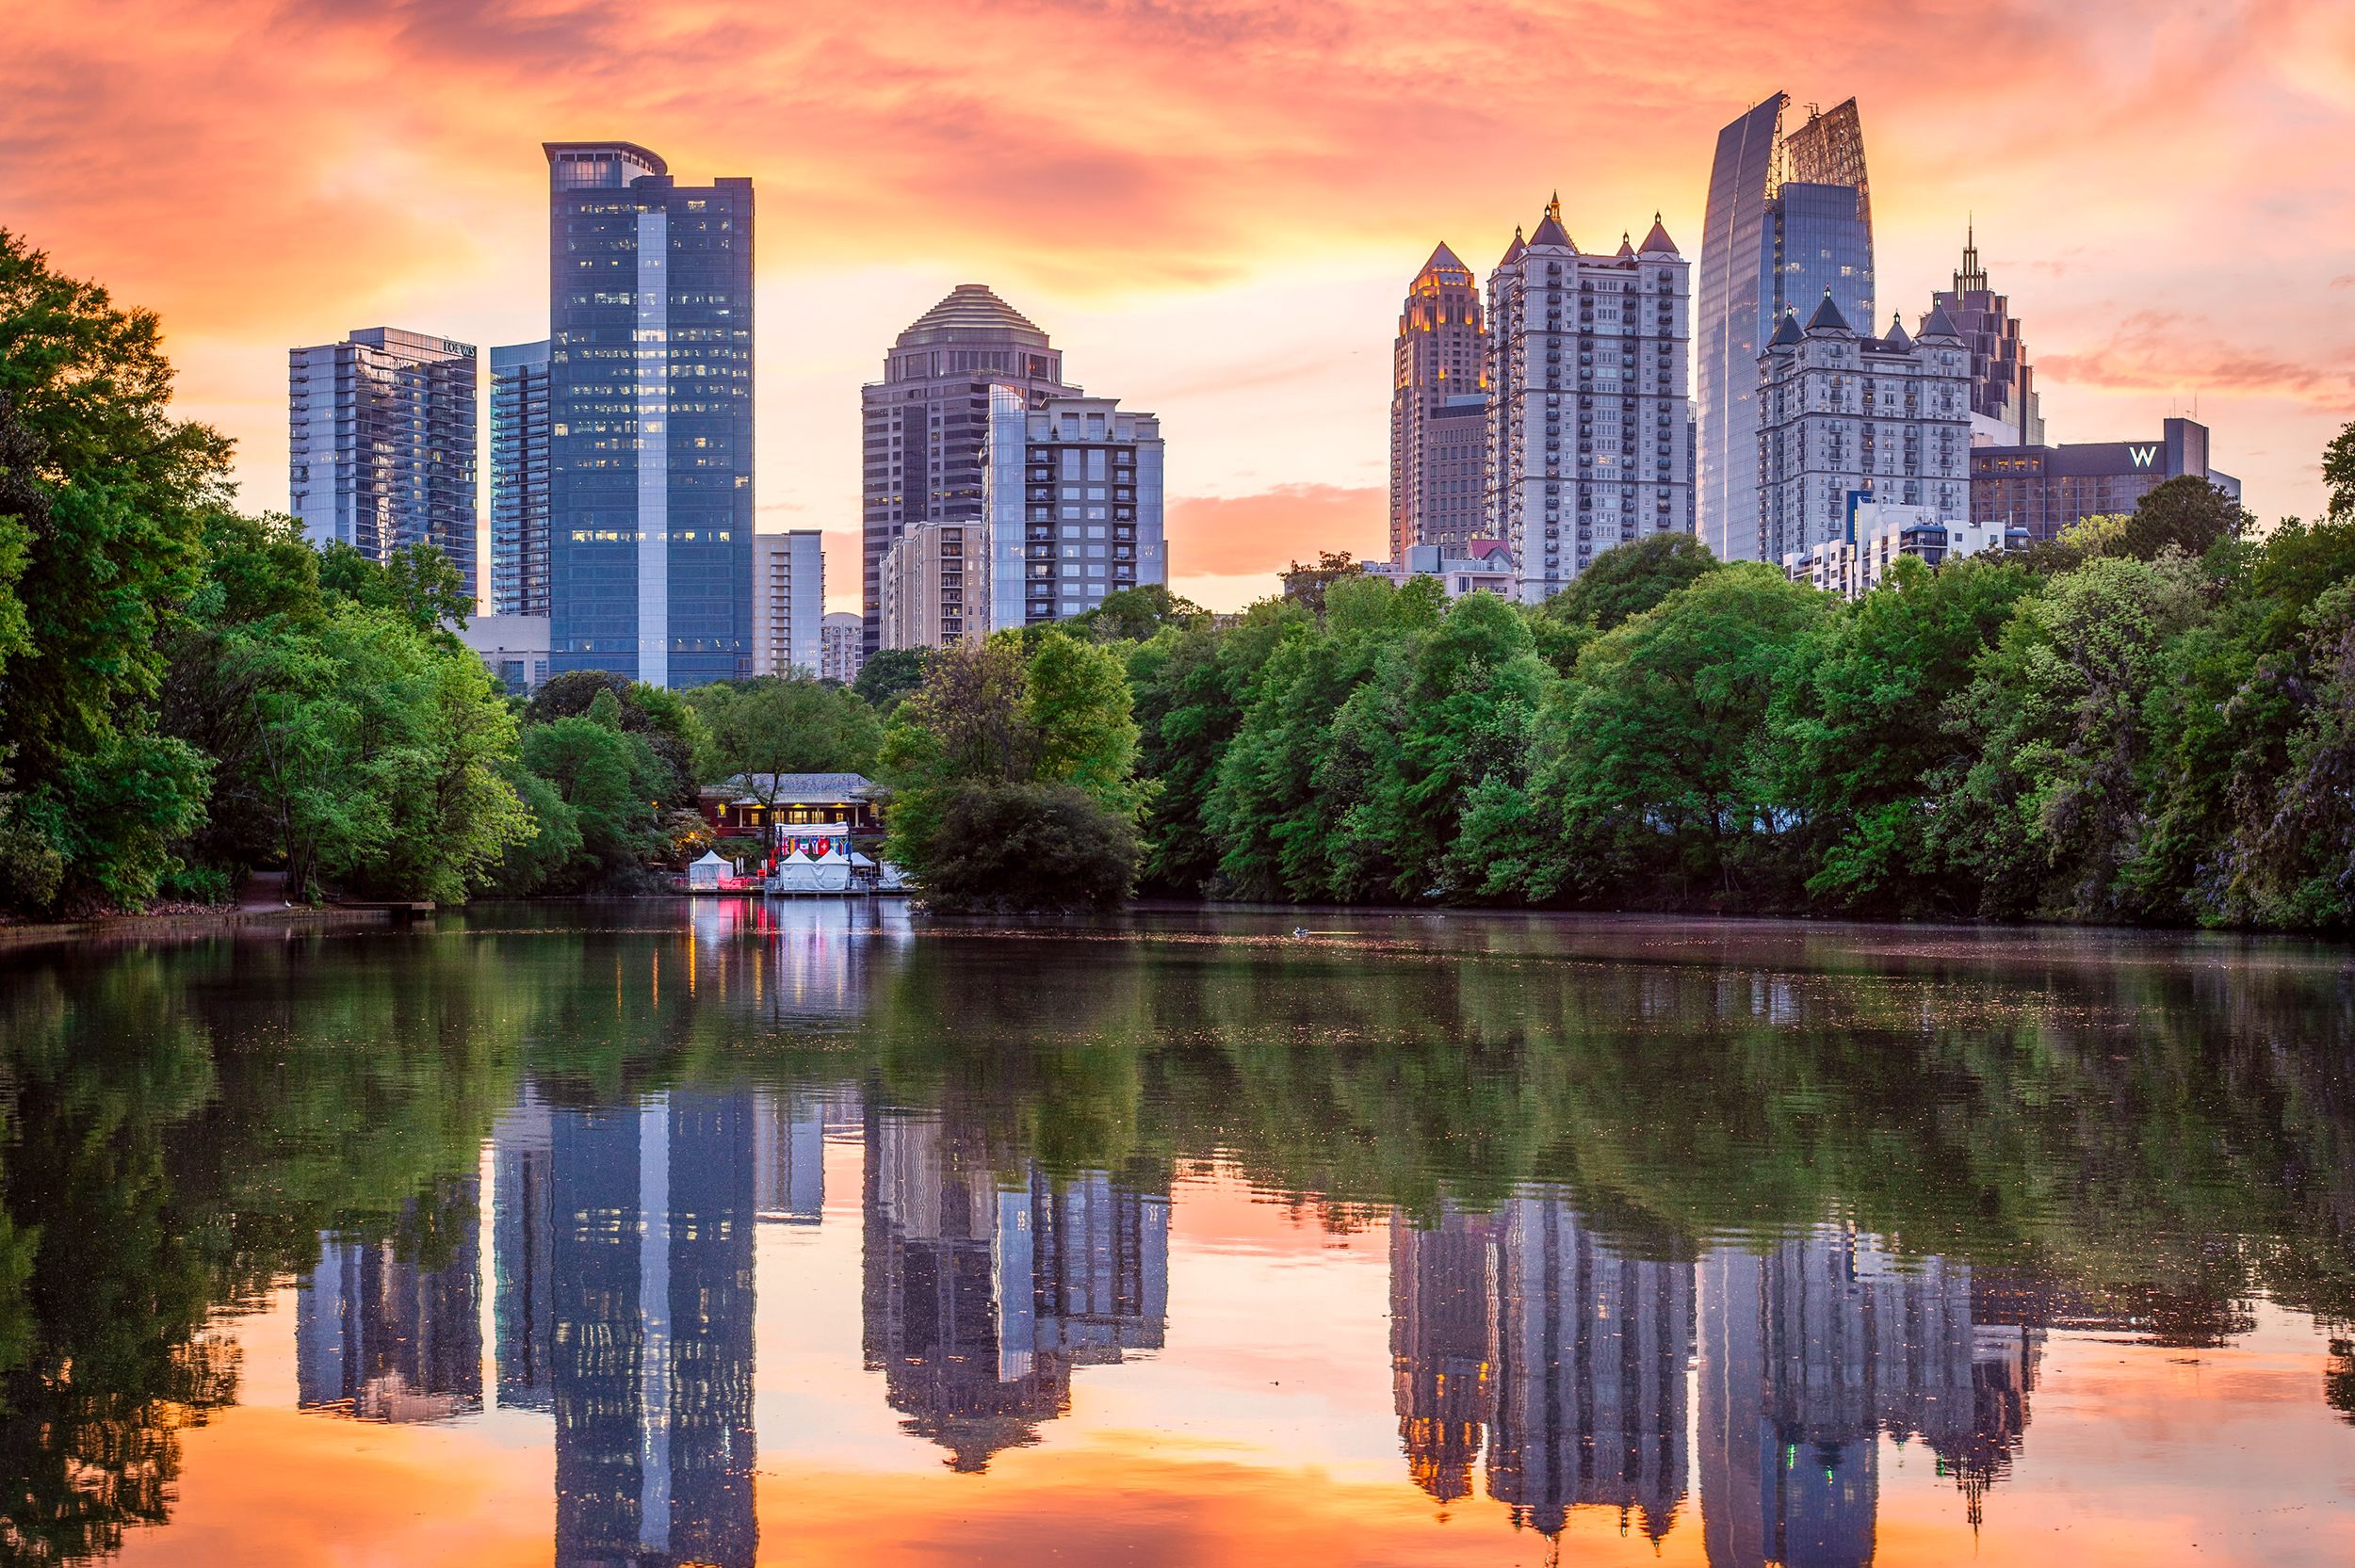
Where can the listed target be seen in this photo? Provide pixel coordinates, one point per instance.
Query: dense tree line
(2151, 720)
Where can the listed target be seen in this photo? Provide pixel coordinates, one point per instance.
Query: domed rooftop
(971, 314)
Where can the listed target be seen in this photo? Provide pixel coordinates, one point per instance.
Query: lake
(666, 1234)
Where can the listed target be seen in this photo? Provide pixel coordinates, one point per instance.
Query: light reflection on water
(736, 1233)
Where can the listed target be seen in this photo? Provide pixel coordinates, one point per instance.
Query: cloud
(2169, 351)
(266, 174)
(1254, 535)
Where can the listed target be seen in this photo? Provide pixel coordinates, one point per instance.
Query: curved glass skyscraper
(1790, 220)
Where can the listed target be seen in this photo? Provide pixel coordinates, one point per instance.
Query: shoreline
(107, 929)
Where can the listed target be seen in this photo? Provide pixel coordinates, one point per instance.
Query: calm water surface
(652, 1236)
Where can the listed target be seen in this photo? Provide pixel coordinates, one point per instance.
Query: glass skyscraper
(650, 403)
(380, 448)
(1790, 220)
(519, 479)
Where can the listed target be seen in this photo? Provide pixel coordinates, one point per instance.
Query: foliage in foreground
(1014, 772)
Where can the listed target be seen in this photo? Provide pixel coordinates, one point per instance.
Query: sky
(1212, 208)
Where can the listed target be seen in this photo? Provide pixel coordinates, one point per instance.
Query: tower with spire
(2004, 411)
(1439, 397)
(1588, 424)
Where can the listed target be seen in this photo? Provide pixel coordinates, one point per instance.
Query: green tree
(889, 675)
(417, 582)
(1190, 688)
(993, 736)
(763, 729)
(1628, 579)
(1027, 846)
(1135, 615)
(610, 779)
(1647, 755)
(1856, 736)
(2048, 806)
(1077, 707)
(106, 494)
(1470, 707)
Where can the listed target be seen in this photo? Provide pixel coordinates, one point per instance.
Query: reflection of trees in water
(2145, 1142)
(185, 1123)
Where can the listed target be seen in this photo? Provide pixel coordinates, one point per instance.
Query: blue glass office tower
(519, 479)
(1790, 218)
(650, 398)
(381, 449)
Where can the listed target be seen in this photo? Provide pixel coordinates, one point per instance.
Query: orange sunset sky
(1212, 207)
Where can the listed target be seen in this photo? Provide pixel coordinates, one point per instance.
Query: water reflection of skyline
(1757, 1391)
(1520, 1336)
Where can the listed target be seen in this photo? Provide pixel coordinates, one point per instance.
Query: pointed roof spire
(1786, 330)
(1970, 275)
(1549, 230)
(1897, 338)
(1657, 242)
(1443, 260)
(1513, 251)
(1627, 247)
(1828, 317)
(1939, 324)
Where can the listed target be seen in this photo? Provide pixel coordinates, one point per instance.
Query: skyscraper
(650, 398)
(789, 601)
(2004, 411)
(1790, 216)
(519, 479)
(1844, 416)
(923, 424)
(1587, 445)
(381, 443)
(1072, 490)
(1439, 405)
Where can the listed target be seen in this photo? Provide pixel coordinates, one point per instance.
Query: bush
(1028, 846)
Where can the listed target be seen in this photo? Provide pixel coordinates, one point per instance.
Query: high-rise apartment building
(2004, 411)
(1587, 443)
(922, 425)
(935, 585)
(650, 401)
(1073, 494)
(1438, 410)
(1790, 216)
(519, 479)
(2047, 489)
(381, 443)
(841, 646)
(1847, 417)
(789, 601)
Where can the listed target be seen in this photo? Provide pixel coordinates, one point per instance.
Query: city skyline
(1214, 299)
